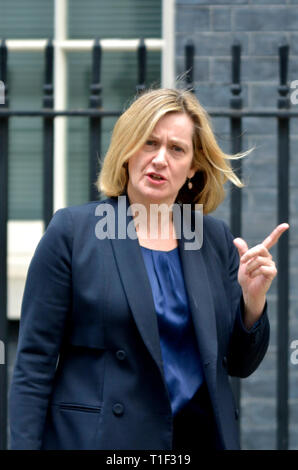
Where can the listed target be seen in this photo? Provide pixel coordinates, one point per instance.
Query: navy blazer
(89, 371)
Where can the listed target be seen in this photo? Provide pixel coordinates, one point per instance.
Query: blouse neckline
(160, 251)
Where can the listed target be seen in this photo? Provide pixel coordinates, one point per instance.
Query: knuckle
(263, 248)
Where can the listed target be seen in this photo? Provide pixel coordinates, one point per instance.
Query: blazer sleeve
(46, 302)
(247, 348)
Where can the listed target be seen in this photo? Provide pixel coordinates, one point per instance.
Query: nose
(160, 156)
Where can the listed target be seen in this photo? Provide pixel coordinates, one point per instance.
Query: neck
(153, 219)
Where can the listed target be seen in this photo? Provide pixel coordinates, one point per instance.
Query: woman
(127, 336)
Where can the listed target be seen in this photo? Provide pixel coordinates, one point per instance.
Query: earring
(189, 183)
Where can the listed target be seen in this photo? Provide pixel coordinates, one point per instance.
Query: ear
(191, 173)
(192, 170)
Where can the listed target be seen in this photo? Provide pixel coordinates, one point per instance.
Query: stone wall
(259, 26)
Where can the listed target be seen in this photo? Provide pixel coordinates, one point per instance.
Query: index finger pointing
(274, 235)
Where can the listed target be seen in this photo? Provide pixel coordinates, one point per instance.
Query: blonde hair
(135, 125)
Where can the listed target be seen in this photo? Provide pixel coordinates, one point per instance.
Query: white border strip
(60, 103)
(168, 34)
(81, 44)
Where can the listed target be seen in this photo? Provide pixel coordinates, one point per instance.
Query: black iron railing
(96, 113)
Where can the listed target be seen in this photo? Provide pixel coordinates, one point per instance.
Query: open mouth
(156, 178)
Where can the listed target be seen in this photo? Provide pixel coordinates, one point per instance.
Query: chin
(156, 196)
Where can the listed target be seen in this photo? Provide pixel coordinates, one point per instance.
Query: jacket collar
(137, 287)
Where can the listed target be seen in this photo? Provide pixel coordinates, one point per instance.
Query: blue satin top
(181, 359)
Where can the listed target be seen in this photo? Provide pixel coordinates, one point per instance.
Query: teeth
(156, 177)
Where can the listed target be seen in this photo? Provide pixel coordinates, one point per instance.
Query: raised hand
(256, 272)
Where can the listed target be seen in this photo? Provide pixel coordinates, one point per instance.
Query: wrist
(253, 309)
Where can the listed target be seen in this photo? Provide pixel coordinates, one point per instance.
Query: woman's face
(168, 154)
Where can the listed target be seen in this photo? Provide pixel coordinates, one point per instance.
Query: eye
(150, 145)
(150, 142)
(177, 149)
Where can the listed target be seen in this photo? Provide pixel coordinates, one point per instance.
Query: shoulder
(86, 208)
(215, 227)
(213, 222)
(70, 222)
(79, 212)
(218, 236)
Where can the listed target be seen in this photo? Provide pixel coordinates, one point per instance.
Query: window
(73, 25)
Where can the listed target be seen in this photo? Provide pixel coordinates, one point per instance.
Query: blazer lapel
(199, 293)
(136, 284)
(135, 281)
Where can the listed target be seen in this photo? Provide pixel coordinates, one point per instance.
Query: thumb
(241, 245)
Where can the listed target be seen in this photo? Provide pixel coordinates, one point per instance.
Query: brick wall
(259, 25)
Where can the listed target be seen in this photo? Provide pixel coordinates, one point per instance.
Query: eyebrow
(173, 139)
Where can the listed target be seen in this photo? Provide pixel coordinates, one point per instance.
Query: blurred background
(70, 67)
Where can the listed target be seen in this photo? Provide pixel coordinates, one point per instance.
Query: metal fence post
(236, 193)
(189, 65)
(48, 137)
(142, 66)
(95, 122)
(283, 256)
(3, 250)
